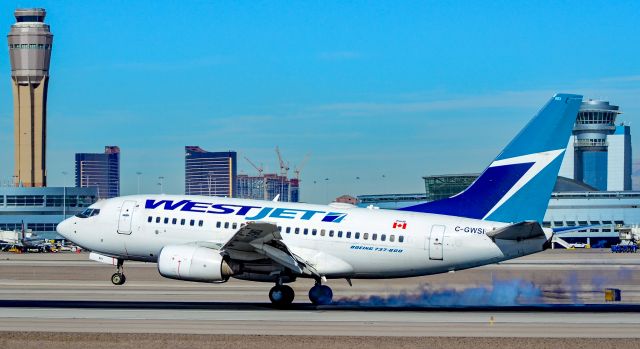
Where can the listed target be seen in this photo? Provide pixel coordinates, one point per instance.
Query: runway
(67, 293)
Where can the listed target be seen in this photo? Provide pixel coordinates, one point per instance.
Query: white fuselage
(405, 243)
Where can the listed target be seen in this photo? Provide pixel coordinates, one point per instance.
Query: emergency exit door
(436, 242)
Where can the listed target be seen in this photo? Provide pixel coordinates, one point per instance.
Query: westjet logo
(251, 213)
(536, 163)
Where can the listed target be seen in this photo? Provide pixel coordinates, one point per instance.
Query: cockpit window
(89, 212)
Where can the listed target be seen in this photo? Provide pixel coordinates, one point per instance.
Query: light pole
(64, 194)
(139, 174)
(211, 175)
(326, 190)
(160, 183)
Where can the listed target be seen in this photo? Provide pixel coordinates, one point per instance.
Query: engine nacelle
(193, 263)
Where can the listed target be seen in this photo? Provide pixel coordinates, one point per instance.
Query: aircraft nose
(64, 228)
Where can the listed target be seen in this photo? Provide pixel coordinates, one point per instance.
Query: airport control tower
(599, 152)
(30, 43)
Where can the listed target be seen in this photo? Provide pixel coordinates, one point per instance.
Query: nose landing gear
(118, 278)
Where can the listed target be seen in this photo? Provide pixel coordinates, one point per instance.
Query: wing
(258, 240)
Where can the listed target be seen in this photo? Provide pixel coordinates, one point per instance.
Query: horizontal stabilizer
(518, 231)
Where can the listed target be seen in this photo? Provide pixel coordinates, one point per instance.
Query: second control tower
(30, 51)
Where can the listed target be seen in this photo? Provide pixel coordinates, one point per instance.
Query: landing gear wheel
(320, 295)
(281, 295)
(118, 279)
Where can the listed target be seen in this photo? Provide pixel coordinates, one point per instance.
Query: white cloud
(623, 91)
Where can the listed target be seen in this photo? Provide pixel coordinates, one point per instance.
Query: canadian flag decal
(400, 225)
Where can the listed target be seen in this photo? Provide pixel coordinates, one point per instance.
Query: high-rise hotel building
(210, 173)
(100, 170)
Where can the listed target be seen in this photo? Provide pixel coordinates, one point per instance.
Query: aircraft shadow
(81, 304)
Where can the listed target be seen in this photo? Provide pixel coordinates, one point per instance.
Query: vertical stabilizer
(517, 185)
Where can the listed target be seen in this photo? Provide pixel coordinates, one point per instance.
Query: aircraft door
(126, 216)
(436, 242)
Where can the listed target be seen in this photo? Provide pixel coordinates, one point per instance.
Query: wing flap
(262, 239)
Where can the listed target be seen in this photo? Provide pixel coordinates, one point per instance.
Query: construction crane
(299, 168)
(264, 179)
(259, 169)
(284, 167)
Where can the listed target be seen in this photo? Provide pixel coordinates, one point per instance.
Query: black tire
(281, 296)
(118, 279)
(289, 294)
(320, 295)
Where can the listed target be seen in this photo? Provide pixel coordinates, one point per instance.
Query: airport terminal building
(41, 209)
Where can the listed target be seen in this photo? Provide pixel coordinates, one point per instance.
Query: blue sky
(398, 88)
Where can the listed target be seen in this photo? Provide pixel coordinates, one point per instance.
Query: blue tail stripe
(480, 197)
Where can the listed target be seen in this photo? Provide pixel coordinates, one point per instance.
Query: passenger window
(279, 228)
(174, 221)
(365, 236)
(157, 219)
(357, 235)
(348, 235)
(339, 233)
(314, 232)
(234, 226)
(374, 237)
(218, 224)
(200, 223)
(226, 225)
(192, 222)
(392, 238)
(322, 232)
(330, 233)
(149, 219)
(183, 221)
(297, 231)
(400, 238)
(288, 230)
(166, 220)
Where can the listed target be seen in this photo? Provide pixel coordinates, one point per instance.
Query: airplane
(23, 241)
(211, 239)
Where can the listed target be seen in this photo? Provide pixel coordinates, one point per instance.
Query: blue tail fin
(517, 185)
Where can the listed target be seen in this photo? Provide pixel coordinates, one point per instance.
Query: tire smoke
(499, 293)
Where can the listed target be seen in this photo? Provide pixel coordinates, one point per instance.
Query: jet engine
(193, 263)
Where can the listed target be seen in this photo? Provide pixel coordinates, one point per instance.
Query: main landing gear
(320, 294)
(282, 295)
(118, 278)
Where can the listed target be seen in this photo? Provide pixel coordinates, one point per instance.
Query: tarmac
(554, 295)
